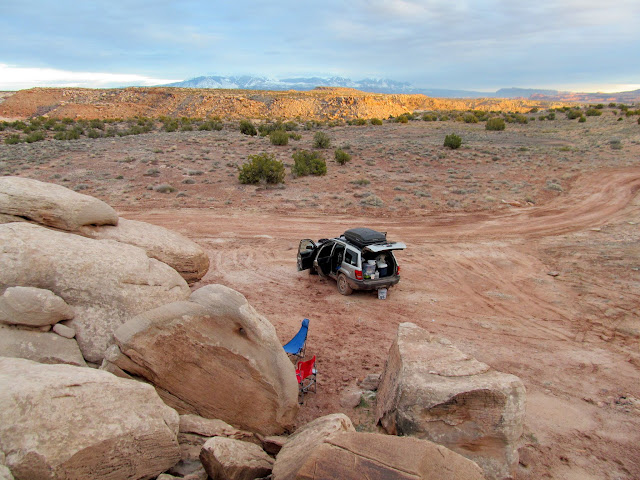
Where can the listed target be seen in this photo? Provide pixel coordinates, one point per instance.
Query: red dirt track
(482, 280)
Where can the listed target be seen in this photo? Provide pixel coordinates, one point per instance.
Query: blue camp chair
(298, 343)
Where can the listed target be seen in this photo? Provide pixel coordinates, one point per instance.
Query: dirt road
(483, 282)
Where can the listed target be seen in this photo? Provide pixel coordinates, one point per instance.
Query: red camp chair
(306, 375)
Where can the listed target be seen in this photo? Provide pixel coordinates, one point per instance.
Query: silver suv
(359, 259)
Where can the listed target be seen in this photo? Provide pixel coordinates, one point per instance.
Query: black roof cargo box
(362, 237)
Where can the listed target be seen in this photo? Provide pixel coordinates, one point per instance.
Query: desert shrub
(551, 116)
(306, 162)
(260, 167)
(211, 124)
(593, 112)
(639, 121)
(290, 126)
(582, 119)
(342, 157)
(444, 118)
(279, 137)
(170, 125)
(357, 121)
(96, 123)
(186, 127)
(553, 185)
(247, 128)
(321, 140)
(372, 201)
(429, 117)
(452, 141)
(376, 121)
(35, 137)
(470, 118)
(13, 139)
(404, 118)
(495, 123)
(164, 188)
(616, 144)
(295, 136)
(573, 114)
(361, 182)
(534, 110)
(93, 133)
(267, 128)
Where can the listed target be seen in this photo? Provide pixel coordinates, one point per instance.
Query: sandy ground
(483, 283)
(477, 269)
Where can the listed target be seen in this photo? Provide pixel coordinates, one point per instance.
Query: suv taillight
(398, 270)
(358, 274)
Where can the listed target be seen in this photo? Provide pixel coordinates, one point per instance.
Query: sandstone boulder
(226, 361)
(42, 347)
(211, 427)
(64, 331)
(296, 450)
(431, 390)
(330, 448)
(105, 282)
(176, 250)
(60, 421)
(229, 459)
(52, 205)
(32, 307)
(196, 430)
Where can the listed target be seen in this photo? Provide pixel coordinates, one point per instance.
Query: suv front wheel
(343, 285)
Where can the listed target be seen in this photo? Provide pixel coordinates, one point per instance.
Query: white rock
(52, 205)
(60, 421)
(105, 282)
(33, 307)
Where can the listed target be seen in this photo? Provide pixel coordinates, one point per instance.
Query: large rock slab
(52, 205)
(105, 282)
(42, 347)
(230, 459)
(295, 451)
(60, 421)
(330, 448)
(32, 307)
(172, 248)
(431, 390)
(226, 361)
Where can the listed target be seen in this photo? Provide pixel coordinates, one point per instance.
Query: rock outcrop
(105, 282)
(60, 421)
(234, 459)
(226, 361)
(295, 452)
(330, 448)
(52, 205)
(321, 103)
(431, 390)
(33, 307)
(43, 347)
(177, 251)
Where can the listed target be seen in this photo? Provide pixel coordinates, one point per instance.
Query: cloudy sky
(582, 45)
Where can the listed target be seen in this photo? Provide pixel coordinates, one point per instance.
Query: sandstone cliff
(321, 103)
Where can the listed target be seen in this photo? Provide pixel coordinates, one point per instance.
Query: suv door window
(351, 257)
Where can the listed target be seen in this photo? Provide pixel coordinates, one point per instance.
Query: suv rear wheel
(343, 285)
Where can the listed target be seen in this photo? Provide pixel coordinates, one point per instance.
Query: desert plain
(523, 249)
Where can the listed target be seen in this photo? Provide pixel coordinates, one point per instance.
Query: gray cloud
(463, 44)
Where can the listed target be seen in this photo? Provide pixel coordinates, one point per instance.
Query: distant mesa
(251, 82)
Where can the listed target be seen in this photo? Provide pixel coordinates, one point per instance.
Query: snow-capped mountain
(248, 82)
